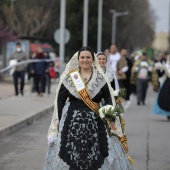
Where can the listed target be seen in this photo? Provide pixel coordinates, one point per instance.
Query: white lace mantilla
(94, 86)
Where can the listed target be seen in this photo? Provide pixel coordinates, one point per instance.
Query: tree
(41, 18)
(29, 18)
(5, 34)
(134, 30)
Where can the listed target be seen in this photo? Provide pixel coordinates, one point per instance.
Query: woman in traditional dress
(78, 138)
(102, 59)
(162, 103)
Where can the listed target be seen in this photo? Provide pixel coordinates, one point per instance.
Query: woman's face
(102, 60)
(85, 60)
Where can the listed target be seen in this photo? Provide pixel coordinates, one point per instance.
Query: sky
(161, 8)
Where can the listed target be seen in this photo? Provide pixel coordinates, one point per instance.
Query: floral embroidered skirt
(83, 144)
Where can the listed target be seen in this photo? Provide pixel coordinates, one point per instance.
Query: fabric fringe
(132, 162)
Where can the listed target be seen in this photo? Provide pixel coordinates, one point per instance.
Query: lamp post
(99, 31)
(62, 35)
(169, 30)
(85, 23)
(114, 17)
(12, 3)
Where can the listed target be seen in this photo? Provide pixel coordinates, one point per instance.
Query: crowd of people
(40, 71)
(82, 134)
(135, 73)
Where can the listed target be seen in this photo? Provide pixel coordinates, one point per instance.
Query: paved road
(25, 149)
(148, 134)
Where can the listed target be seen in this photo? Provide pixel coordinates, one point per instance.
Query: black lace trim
(84, 144)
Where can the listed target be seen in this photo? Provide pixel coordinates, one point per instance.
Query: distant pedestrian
(144, 72)
(47, 76)
(122, 68)
(128, 74)
(39, 69)
(19, 71)
(30, 74)
(132, 57)
(132, 77)
(107, 52)
(112, 61)
(51, 74)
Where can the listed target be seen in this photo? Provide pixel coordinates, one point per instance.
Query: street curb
(26, 121)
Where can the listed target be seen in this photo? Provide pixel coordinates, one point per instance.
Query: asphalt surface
(148, 139)
(148, 135)
(25, 149)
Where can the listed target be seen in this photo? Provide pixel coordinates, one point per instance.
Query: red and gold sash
(82, 90)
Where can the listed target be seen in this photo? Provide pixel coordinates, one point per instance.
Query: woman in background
(162, 103)
(102, 59)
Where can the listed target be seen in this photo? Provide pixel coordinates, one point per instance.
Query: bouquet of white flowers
(111, 117)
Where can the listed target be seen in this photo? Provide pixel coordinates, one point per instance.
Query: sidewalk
(18, 111)
(7, 89)
(148, 135)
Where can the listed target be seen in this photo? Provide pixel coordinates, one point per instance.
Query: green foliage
(122, 93)
(134, 30)
(110, 117)
(4, 2)
(130, 32)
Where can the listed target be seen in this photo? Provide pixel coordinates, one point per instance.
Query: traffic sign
(57, 36)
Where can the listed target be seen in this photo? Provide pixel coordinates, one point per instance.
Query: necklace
(85, 79)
